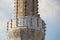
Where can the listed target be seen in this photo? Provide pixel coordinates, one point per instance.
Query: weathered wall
(14, 34)
(26, 24)
(27, 29)
(24, 34)
(25, 7)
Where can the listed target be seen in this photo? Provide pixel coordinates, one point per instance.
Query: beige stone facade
(27, 23)
(26, 7)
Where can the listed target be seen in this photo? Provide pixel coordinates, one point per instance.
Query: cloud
(6, 7)
(48, 8)
(50, 12)
(3, 31)
(2, 20)
(6, 3)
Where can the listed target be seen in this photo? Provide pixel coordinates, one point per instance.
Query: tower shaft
(25, 7)
(27, 23)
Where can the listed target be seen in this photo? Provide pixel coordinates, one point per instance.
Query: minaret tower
(26, 24)
(25, 7)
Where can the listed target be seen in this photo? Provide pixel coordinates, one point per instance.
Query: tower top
(25, 7)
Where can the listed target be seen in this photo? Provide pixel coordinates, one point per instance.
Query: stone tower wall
(25, 7)
(26, 24)
(27, 30)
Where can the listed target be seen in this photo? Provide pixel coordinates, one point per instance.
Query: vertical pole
(33, 7)
(11, 23)
(17, 14)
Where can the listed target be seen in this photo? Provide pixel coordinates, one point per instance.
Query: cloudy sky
(49, 11)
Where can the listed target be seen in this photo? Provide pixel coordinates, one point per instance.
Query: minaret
(27, 23)
(25, 7)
